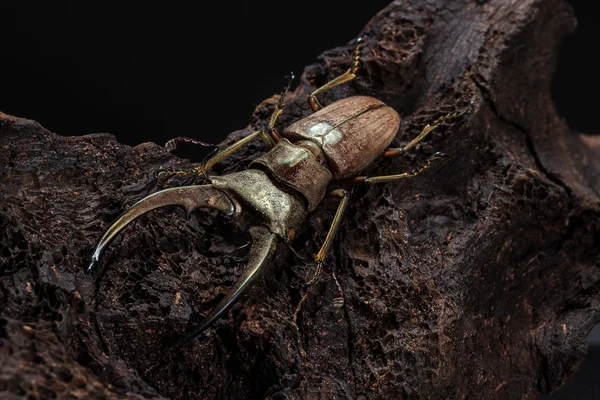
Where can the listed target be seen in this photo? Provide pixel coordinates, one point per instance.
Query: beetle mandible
(274, 196)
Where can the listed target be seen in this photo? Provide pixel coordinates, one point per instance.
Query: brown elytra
(352, 132)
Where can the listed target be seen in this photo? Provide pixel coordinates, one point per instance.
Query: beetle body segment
(297, 168)
(261, 201)
(352, 132)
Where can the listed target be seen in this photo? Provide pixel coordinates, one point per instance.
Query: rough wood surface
(479, 279)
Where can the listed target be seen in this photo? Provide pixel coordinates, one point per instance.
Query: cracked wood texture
(478, 279)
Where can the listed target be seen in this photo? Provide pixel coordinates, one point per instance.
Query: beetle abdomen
(351, 132)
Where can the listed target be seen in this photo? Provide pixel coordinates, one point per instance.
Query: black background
(141, 71)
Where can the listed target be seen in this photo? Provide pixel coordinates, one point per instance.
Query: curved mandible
(263, 247)
(188, 197)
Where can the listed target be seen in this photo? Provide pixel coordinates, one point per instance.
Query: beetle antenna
(290, 77)
(279, 109)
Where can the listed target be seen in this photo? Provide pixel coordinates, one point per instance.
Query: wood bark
(477, 279)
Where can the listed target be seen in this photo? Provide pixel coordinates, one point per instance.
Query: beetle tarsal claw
(263, 247)
(188, 197)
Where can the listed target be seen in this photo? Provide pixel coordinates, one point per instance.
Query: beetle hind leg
(395, 152)
(405, 175)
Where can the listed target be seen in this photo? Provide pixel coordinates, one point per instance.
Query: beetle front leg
(202, 169)
(173, 144)
(269, 136)
(345, 77)
(333, 230)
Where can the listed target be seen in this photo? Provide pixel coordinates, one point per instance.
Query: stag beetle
(274, 196)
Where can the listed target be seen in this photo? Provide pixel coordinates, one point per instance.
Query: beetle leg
(397, 177)
(338, 300)
(395, 152)
(270, 137)
(316, 275)
(202, 169)
(263, 247)
(173, 144)
(345, 77)
(333, 230)
(188, 197)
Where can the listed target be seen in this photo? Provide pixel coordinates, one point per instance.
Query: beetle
(279, 189)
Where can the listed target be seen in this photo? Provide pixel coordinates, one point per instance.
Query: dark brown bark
(480, 279)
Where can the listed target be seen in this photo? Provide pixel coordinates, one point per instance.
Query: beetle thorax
(299, 166)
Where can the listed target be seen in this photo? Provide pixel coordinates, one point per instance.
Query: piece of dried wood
(479, 279)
